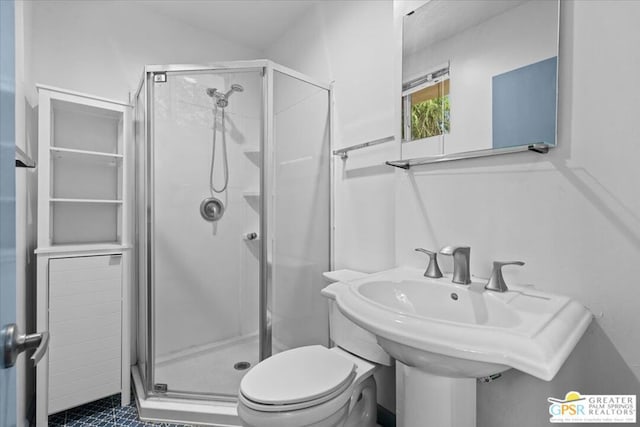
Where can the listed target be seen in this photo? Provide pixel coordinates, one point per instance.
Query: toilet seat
(297, 379)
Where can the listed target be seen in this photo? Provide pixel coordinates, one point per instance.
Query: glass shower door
(205, 169)
(300, 214)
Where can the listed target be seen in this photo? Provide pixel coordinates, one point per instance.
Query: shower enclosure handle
(250, 236)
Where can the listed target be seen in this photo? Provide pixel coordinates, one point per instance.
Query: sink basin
(463, 331)
(440, 301)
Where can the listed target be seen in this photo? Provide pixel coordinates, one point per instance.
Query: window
(426, 107)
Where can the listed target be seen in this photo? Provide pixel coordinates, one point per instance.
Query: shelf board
(538, 147)
(104, 201)
(73, 151)
(83, 247)
(251, 194)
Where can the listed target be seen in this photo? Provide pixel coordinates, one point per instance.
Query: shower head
(234, 88)
(222, 98)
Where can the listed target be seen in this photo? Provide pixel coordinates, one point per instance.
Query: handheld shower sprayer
(234, 88)
(222, 99)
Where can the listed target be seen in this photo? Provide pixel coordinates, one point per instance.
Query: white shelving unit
(82, 163)
(83, 249)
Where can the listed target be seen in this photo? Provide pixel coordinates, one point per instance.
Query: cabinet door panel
(85, 322)
(102, 348)
(81, 331)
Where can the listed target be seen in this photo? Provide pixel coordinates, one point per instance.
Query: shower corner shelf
(251, 194)
(254, 155)
(251, 151)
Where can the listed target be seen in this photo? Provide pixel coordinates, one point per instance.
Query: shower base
(208, 370)
(201, 371)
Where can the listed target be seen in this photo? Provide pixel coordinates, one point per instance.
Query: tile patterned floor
(105, 412)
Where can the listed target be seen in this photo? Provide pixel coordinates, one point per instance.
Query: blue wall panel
(524, 105)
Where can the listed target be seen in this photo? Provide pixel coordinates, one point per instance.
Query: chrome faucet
(496, 281)
(433, 270)
(461, 255)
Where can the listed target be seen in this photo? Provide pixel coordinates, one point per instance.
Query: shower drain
(241, 366)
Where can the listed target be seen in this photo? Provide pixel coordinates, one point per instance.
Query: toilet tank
(343, 332)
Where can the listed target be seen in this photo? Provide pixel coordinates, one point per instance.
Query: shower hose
(225, 161)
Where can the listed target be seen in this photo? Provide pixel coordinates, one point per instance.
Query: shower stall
(233, 229)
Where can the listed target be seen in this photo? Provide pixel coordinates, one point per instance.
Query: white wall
(99, 47)
(572, 215)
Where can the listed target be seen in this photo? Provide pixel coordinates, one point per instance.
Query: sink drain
(241, 366)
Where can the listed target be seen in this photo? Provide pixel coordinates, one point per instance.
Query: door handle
(13, 343)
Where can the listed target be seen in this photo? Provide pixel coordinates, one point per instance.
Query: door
(203, 230)
(7, 207)
(12, 343)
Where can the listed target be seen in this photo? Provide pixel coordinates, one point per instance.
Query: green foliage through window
(430, 118)
(426, 110)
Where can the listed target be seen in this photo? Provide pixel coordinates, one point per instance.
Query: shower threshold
(183, 411)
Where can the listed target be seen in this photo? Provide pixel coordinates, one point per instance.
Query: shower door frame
(267, 185)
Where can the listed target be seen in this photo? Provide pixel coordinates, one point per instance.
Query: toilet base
(365, 406)
(252, 418)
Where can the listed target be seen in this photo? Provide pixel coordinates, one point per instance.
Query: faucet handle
(432, 270)
(496, 281)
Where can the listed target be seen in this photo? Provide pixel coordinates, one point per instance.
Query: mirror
(479, 76)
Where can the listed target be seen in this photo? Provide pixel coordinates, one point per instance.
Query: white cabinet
(83, 267)
(85, 316)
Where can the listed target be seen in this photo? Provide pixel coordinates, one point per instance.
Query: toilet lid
(300, 375)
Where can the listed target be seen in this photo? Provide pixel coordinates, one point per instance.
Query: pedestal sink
(444, 336)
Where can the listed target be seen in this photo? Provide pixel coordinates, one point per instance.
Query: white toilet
(316, 386)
